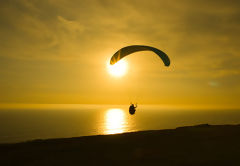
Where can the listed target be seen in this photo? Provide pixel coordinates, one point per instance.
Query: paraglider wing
(135, 48)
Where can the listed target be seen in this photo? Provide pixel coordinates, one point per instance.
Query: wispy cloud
(201, 37)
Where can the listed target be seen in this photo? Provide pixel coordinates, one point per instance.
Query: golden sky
(56, 51)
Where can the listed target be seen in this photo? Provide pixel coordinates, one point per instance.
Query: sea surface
(23, 124)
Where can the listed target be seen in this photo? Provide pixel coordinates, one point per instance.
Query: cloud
(71, 26)
(193, 30)
(201, 37)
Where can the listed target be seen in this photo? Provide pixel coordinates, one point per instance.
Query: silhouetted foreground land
(197, 145)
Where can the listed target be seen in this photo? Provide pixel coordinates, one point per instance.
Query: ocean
(63, 121)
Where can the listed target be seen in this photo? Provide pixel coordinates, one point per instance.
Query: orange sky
(55, 51)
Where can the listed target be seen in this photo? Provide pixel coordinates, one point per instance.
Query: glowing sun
(119, 69)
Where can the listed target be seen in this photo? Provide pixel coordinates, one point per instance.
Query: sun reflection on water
(115, 121)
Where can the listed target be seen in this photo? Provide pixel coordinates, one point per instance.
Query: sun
(119, 69)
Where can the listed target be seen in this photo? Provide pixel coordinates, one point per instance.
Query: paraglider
(136, 48)
(132, 109)
(125, 51)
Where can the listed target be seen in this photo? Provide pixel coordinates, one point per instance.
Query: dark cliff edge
(205, 145)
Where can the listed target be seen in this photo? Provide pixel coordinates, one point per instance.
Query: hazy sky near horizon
(56, 51)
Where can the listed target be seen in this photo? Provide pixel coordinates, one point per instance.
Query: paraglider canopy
(136, 48)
